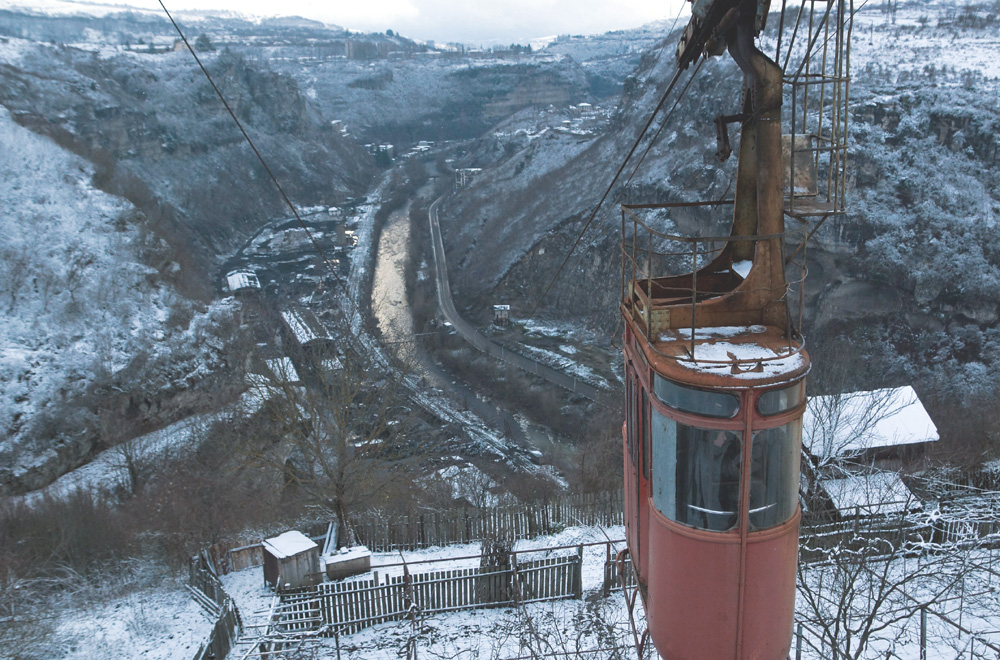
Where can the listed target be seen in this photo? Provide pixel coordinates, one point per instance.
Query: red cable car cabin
(715, 385)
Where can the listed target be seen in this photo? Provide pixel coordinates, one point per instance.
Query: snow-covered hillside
(77, 300)
(911, 267)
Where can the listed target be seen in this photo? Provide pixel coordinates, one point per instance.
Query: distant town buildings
(242, 281)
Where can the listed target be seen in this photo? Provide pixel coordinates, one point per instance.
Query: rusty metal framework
(643, 299)
(817, 96)
(811, 96)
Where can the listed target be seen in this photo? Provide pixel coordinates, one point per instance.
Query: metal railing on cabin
(649, 254)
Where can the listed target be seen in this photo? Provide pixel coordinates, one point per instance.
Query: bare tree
(861, 595)
(16, 269)
(25, 625)
(844, 426)
(334, 439)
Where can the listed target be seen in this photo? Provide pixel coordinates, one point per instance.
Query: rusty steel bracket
(722, 122)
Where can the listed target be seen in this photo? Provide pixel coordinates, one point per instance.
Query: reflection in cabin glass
(774, 470)
(696, 474)
(783, 400)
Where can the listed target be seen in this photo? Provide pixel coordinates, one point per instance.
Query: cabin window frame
(696, 473)
(775, 452)
(711, 403)
(786, 399)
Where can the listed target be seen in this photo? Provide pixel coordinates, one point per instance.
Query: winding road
(484, 344)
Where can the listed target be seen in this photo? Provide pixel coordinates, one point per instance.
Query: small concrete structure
(348, 562)
(464, 176)
(501, 315)
(291, 561)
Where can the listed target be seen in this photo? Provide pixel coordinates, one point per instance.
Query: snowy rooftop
(242, 279)
(305, 326)
(283, 370)
(878, 493)
(851, 423)
(348, 554)
(289, 544)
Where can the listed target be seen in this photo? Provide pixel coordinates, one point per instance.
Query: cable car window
(645, 435)
(629, 422)
(779, 401)
(696, 474)
(774, 472)
(701, 402)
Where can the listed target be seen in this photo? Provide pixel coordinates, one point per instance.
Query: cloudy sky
(469, 21)
(480, 20)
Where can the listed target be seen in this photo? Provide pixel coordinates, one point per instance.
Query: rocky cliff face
(106, 335)
(160, 137)
(910, 274)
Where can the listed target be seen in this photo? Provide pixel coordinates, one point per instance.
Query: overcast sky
(469, 21)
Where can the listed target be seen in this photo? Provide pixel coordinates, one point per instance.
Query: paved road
(477, 339)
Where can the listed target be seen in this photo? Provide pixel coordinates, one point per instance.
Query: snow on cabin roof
(289, 544)
(851, 423)
(242, 279)
(878, 493)
(714, 354)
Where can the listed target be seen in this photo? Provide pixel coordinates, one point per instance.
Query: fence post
(607, 569)
(923, 632)
(578, 574)
(798, 642)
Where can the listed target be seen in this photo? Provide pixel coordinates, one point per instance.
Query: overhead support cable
(260, 157)
(600, 203)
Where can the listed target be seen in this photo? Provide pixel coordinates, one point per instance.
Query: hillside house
(874, 493)
(885, 428)
(501, 315)
(242, 282)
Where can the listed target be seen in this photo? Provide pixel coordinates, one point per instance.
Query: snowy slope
(75, 298)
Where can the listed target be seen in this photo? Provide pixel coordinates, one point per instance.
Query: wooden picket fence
(207, 591)
(347, 607)
(470, 525)
(466, 525)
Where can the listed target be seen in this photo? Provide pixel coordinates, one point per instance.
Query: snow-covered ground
(566, 364)
(598, 622)
(77, 302)
(144, 612)
(107, 472)
(491, 633)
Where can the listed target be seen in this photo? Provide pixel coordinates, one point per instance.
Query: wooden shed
(291, 561)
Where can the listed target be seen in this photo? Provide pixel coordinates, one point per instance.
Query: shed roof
(289, 544)
(851, 423)
(877, 493)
